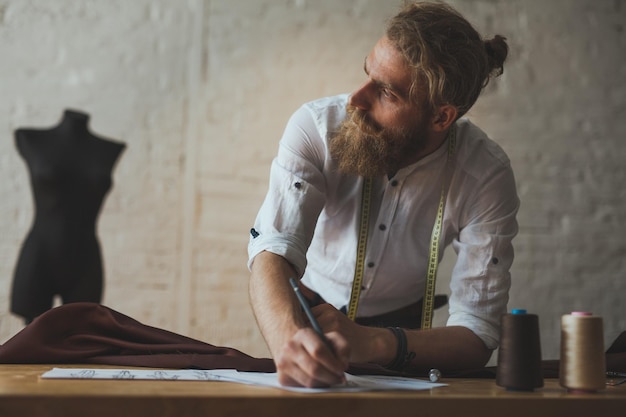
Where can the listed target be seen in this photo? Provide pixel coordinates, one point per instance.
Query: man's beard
(362, 148)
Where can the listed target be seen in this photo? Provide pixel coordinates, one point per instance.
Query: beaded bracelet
(403, 357)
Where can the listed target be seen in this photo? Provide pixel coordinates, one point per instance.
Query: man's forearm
(273, 300)
(446, 348)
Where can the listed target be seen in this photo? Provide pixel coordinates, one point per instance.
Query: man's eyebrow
(401, 93)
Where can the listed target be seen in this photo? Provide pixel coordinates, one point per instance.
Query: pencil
(307, 310)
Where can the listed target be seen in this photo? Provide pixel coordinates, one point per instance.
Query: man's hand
(305, 360)
(367, 344)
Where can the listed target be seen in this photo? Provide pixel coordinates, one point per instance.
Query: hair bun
(497, 51)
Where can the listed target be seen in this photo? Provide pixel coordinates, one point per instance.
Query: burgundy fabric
(90, 333)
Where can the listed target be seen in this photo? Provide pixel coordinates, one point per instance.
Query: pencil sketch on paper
(124, 375)
(353, 383)
(84, 374)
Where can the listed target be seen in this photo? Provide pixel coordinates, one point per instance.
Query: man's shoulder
(327, 112)
(328, 107)
(479, 156)
(476, 145)
(329, 103)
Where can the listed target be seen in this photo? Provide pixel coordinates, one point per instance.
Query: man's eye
(387, 94)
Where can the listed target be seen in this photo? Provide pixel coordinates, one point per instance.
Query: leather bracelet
(403, 357)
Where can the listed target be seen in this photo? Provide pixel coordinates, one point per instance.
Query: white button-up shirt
(311, 214)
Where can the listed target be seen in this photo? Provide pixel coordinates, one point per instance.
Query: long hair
(451, 62)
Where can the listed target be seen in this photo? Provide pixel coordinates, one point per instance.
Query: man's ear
(444, 117)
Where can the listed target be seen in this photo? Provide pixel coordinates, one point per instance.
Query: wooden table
(24, 394)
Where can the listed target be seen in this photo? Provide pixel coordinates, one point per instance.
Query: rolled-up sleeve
(287, 218)
(481, 278)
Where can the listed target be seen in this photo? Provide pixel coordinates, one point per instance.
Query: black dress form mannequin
(70, 171)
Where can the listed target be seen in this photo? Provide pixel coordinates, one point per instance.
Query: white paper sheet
(355, 383)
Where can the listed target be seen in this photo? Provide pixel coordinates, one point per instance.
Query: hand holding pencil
(307, 310)
(317, 361)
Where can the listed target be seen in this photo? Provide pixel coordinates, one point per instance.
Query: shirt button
(370, 264)
(382, 227)
(394, 183)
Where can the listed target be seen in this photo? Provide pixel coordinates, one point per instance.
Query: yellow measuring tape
(360, 249)
(433, 255)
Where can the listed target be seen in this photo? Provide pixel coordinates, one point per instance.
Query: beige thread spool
(583, 363)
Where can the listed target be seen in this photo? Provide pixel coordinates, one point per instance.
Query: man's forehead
(386, 65)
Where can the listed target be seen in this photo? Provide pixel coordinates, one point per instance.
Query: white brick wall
(200, 92)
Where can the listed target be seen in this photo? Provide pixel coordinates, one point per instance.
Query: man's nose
(360, 98)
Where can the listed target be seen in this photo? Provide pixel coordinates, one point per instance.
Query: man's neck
(435, 141)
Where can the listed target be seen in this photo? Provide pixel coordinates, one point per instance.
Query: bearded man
(366, 192)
